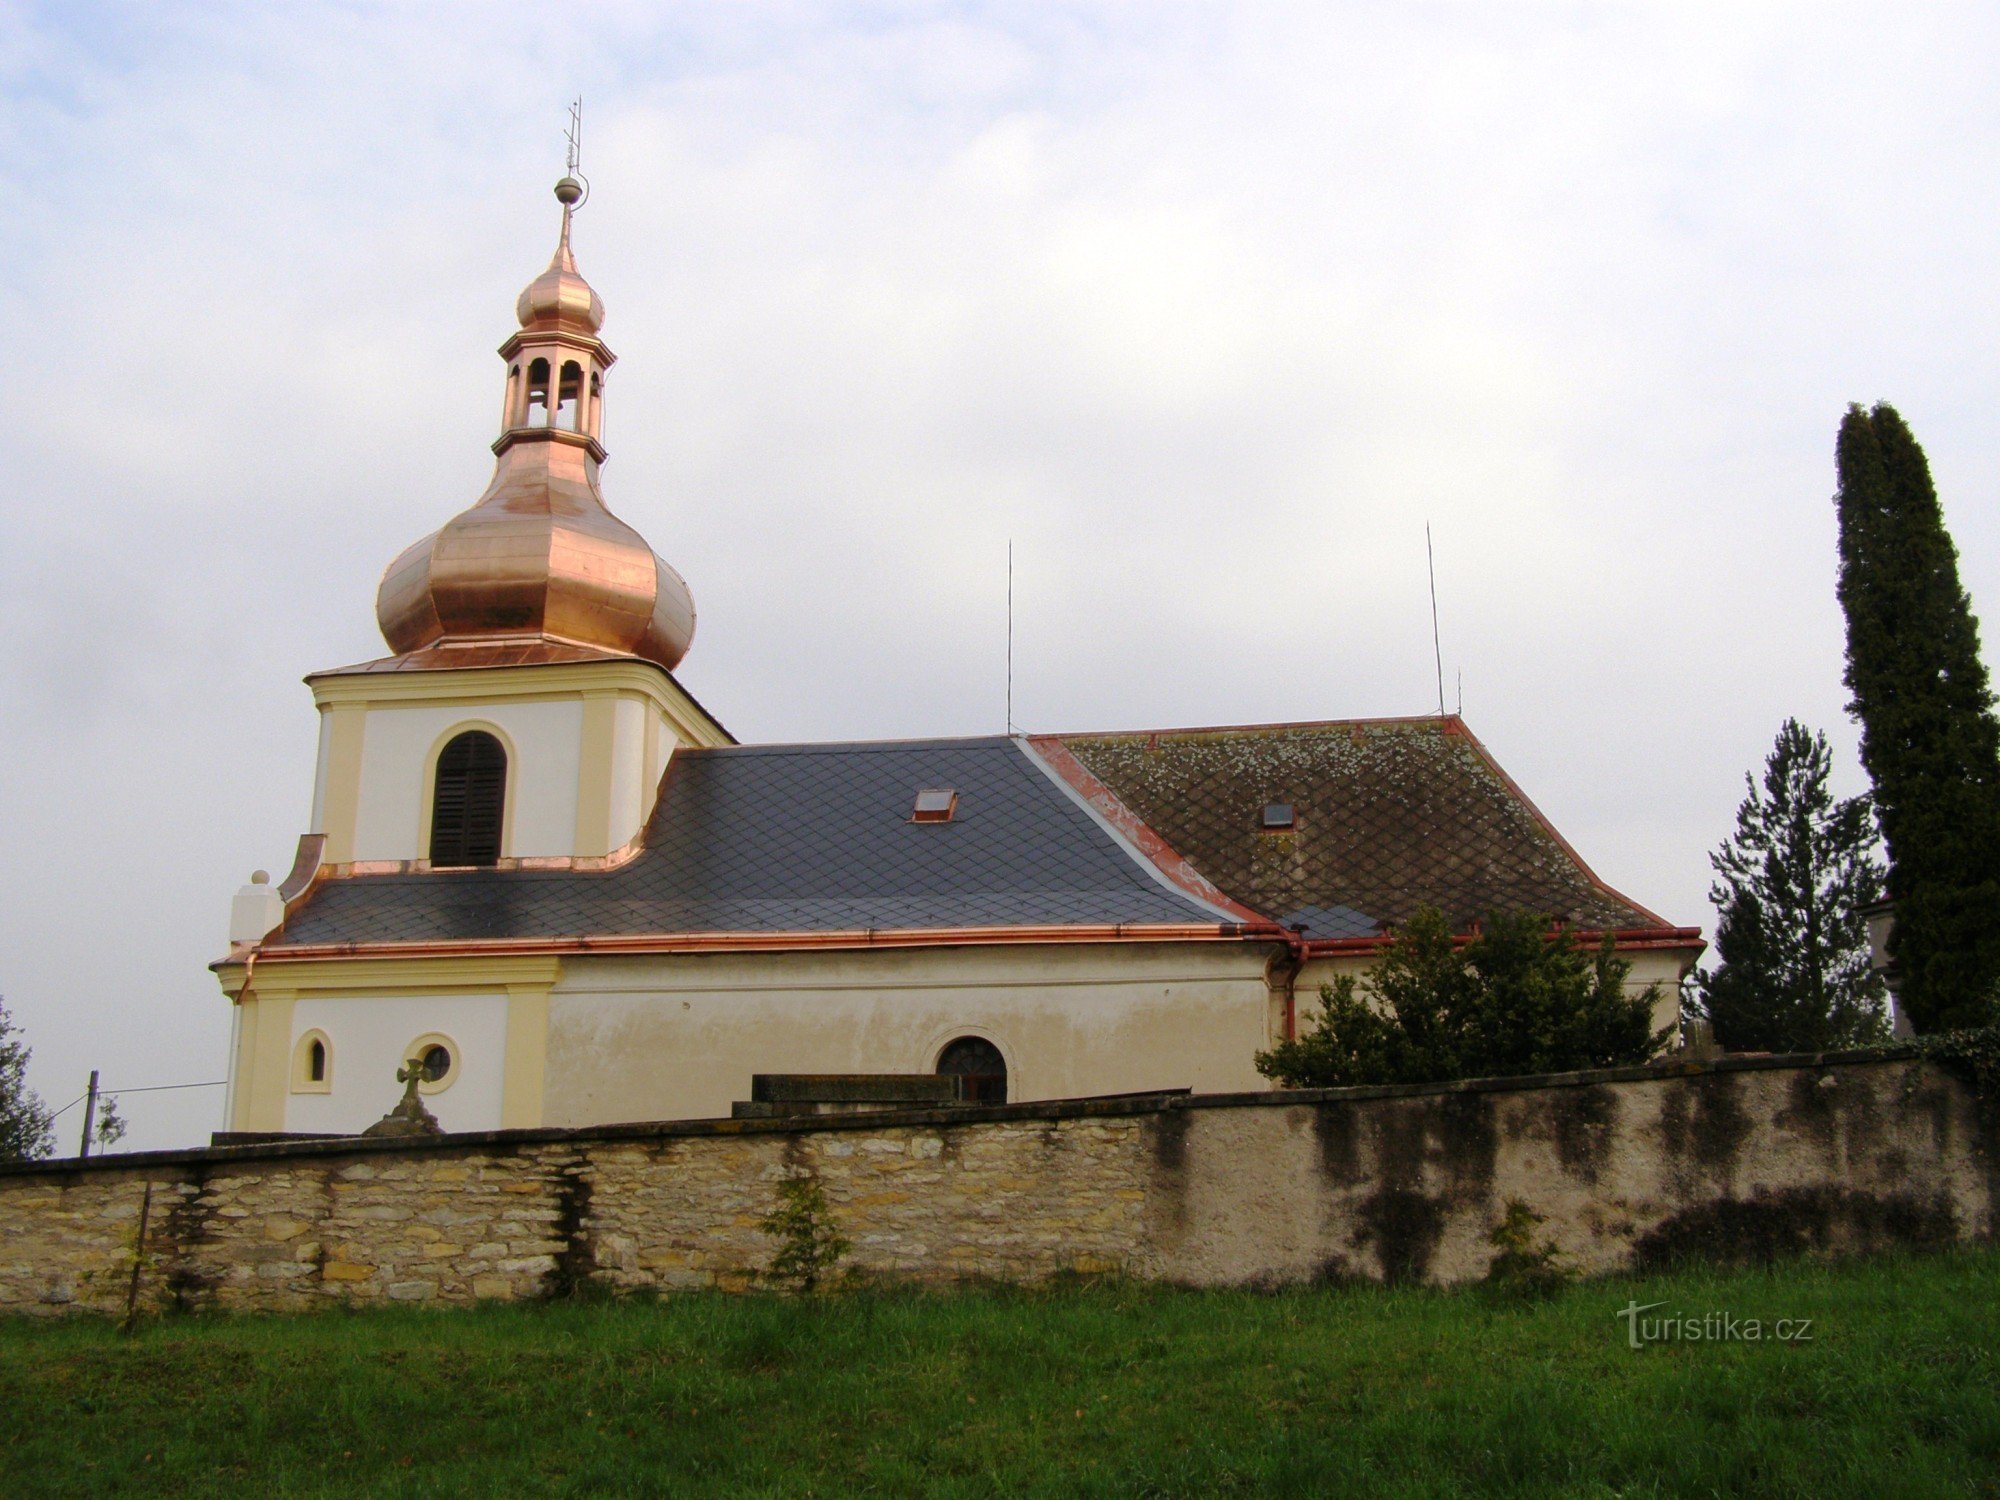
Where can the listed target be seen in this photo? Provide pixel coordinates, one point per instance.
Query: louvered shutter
(469, 802)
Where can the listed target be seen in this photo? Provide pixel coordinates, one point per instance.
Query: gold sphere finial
(569, 192)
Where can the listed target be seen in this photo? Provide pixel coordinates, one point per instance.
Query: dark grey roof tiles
(793, 838)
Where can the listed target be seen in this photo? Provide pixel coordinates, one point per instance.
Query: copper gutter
(714, 942)
(1624, 939)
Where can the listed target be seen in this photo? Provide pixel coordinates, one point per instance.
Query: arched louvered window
(470, 800)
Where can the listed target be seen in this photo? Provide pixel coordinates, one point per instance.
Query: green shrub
(809, 1243)
(1515, 999)
(1521, 1268)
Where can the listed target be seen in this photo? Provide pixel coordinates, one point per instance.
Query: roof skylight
(935, 805)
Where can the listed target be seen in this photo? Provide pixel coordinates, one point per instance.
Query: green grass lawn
(1085, 1390)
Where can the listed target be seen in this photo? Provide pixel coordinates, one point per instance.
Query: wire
(151, 1088)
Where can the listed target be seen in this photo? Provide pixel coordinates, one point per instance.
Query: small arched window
(538, 393)
(980, 1064)
(470, 800)
(312, 1064)
(569, 398)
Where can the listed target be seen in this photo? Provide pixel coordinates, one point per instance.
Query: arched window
(980, 1064)
(469, 802)
(538, 393)
(569, 398)
(312, 1064)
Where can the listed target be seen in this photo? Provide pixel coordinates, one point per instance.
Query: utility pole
(89, 1114)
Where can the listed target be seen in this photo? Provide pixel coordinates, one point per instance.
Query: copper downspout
(1283, 969)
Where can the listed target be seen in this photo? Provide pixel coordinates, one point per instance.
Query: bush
(1522, 1268)
(809, 1245)
(1515, 999)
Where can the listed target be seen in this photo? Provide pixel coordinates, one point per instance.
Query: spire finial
(573, 191)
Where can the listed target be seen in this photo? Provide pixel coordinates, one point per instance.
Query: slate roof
(792, 838)
(1391, 814)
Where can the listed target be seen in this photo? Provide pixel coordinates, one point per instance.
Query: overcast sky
(1207, 307)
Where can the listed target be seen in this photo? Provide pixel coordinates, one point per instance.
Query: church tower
(529, 709)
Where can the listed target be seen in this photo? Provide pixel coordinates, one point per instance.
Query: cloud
(1208, 309)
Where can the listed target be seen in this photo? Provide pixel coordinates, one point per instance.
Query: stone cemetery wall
(1734, 1160)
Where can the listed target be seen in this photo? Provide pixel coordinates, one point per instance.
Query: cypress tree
(1928, 735)
(1794, 972)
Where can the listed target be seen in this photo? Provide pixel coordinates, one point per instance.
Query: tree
(810, 1244)
(1515, 999)
(110, 1126)
(1794, 972)
(24, 1120)
(1928, 735)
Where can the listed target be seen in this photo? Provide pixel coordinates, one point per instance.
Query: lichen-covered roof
(1391, 814)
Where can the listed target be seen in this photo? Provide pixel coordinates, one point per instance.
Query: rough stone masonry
(1745, 1158)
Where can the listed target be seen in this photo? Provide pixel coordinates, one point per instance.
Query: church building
(539, 867)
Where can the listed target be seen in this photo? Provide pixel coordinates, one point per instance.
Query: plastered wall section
(1721, 1163)
(398, 759)
(678, 1036)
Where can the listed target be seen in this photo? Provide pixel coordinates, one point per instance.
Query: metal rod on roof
(1437, 650)
(1010, 635)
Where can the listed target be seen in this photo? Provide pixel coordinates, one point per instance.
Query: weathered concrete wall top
(1742, 1158)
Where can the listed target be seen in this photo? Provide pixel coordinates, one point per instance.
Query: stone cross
(409, 1117)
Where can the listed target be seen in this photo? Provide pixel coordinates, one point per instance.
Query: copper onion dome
(539, 559)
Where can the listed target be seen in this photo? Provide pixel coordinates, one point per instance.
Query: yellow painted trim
(415, 1050)
(271, 1061)
(524, 1075)
(690, 722)
(347, 729)
(302, 1080)
(596, 750)
(649, 776)
(244, 1063)
(437, 975)
(427, 793)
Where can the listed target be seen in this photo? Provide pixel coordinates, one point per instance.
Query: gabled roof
(1391, 814)
(795, 839)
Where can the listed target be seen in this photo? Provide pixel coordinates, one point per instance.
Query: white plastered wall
(543, 741)
(369, 1037)
(678, 1036)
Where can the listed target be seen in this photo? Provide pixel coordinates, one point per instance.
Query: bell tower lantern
(556, 363)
